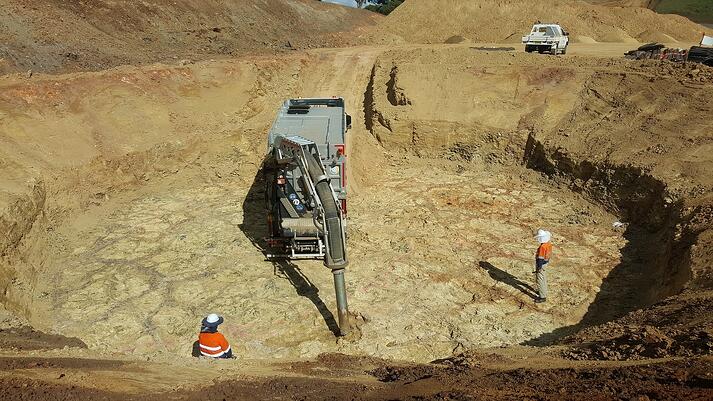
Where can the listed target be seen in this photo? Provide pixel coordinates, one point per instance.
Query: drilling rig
(306, 188)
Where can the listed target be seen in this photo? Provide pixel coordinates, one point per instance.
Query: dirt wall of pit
(60, 36)
(82, 140)
(23, 214)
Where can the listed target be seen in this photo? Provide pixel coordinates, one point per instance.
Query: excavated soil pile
(497, 21)
(56, 36)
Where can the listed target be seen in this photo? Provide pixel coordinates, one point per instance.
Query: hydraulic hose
(336, 257)
(335, 240)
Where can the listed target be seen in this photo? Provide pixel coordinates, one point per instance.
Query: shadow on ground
(507, 278)
(254, 224)
(286, 269)
(255, 227)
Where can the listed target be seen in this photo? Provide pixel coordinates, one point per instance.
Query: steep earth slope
(497, 21)
(54, 36)
(700, 11)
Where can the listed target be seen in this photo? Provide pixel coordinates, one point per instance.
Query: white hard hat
(212, 320)
(543, 236)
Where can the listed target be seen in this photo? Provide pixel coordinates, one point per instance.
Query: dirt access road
(337, 377)
(138, 236)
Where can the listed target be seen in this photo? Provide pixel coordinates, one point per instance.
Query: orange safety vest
(544, 251)
(213, 344)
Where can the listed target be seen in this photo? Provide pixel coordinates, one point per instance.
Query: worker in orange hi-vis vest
(213, 344)
(542, 258)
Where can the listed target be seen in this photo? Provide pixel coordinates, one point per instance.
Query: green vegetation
(696, 10)
(386, 8)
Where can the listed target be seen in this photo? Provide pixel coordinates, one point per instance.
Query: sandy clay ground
(132, 206)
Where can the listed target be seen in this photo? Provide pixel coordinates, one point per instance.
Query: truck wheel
(564, 51)
(528, 49)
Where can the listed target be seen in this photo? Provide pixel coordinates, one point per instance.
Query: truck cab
(546, 38)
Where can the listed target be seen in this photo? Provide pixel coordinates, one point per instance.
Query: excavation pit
(141, 245)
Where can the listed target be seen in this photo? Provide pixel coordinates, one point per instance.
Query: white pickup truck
(546, 38)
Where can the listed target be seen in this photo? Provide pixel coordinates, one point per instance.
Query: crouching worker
(542, 258)
(213, 344)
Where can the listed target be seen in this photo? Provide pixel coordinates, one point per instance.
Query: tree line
(384, 6)
(380, 6)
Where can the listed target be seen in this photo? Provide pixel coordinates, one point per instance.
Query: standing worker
(542, 258)
(213, 344)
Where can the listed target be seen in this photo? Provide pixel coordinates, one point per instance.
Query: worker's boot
(539, 300)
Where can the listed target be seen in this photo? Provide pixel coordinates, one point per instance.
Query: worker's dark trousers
(227, 355)
(541, 279)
